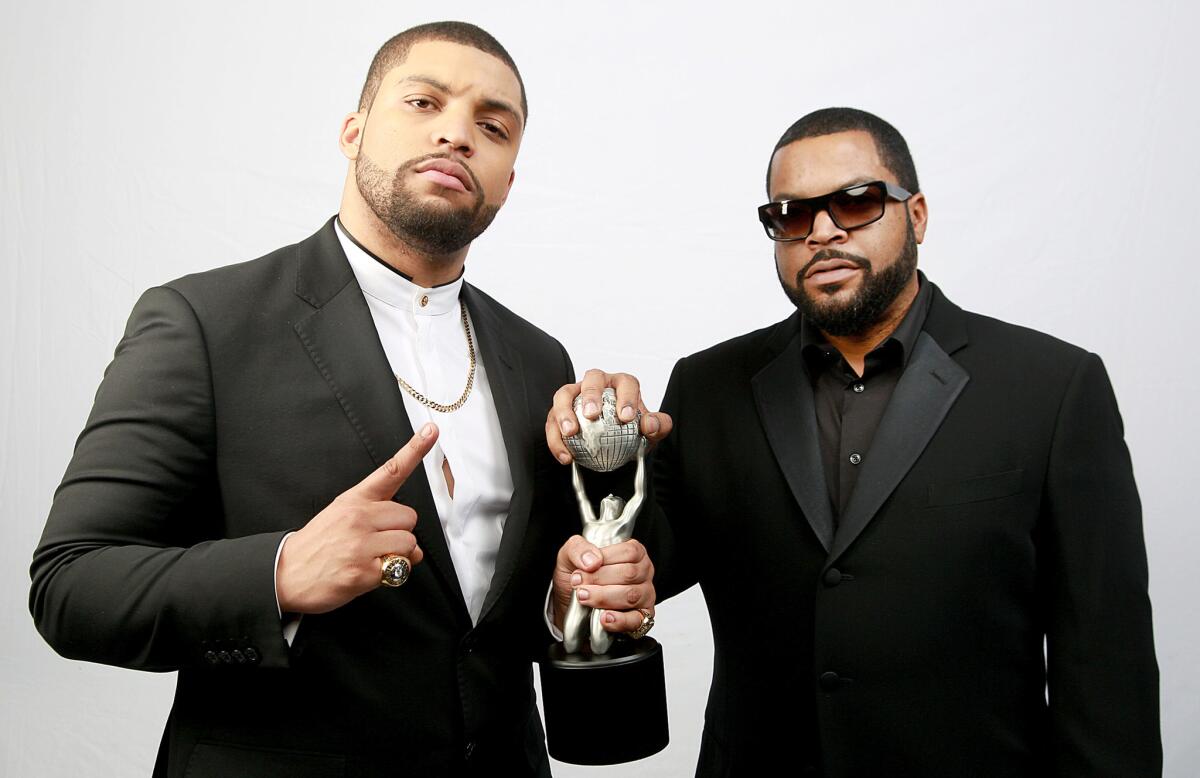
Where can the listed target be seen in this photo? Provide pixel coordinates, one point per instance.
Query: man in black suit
(235, 503)
(916, 528)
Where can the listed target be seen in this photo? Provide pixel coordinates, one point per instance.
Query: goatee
(867, 306)
(434, 229)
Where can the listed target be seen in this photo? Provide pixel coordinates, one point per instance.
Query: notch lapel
(784, 398)
(927, 389)
(505, 373)
(340, 338)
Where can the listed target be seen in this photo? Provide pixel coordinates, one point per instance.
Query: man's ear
(918, 211)
(350, 137)
(511, 177)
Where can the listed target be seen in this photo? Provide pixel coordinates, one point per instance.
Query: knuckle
(354, 516)
(632, 595)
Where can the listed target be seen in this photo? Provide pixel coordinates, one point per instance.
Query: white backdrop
(144, 140)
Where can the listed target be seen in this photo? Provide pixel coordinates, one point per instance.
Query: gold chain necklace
(406, 386)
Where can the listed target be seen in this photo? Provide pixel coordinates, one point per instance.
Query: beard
(434, 229)
(867, 306)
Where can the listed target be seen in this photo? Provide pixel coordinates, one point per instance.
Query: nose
(824, 231)
(455, 131)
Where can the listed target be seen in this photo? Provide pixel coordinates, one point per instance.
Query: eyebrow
(487, 103)
(856, 181)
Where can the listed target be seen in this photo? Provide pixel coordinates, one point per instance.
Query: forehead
(465, 69)
(817, 165)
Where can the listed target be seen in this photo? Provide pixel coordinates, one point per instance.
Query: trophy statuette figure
(590, 663)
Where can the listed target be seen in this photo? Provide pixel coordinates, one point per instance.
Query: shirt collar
(384, 283)
(814, 345)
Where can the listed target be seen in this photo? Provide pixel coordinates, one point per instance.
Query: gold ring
(394, 571)
(645, 626)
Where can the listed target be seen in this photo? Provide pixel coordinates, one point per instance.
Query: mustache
(412, 163)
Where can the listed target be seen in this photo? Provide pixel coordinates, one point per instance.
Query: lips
(830, 266)
(447, 173)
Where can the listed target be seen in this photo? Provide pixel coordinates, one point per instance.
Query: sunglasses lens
(857, 206)
(787, 221)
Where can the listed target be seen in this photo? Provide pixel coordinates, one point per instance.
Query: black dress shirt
(849, 406)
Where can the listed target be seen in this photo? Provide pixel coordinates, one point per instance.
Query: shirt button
(424, 300)
(858, 387)
(855, 458)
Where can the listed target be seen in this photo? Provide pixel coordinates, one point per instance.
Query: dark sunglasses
(850, 208)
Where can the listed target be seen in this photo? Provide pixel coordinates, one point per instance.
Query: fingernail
(582, 594)
(427, 430)
(566, 426)
(576, 579)
(651, 424)
(589, 558)
(591, 409)
(564, 458)
(610, 618)
(627, 413)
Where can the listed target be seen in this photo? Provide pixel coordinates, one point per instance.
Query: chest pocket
(977, 489)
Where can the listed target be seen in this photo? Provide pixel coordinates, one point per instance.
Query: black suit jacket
(240, 402)
(995, 511)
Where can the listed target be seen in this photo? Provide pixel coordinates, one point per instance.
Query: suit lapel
(340, 338)
(927, 389)
(505, 377)
(784, 398)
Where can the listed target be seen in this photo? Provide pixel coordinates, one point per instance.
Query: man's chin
(824, 294)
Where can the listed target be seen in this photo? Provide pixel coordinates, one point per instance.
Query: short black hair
(889, 143)
(395, 51)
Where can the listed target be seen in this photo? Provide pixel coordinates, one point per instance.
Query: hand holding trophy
(589, 664)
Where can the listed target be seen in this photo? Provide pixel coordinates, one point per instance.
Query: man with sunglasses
(916, 528)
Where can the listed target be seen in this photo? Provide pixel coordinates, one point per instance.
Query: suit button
(855, 458)
(470, 749)
(830, 681)
(468, 644)
(225, 657)
(832, 577)
(211, 657)
(251, 655)
(238, 656)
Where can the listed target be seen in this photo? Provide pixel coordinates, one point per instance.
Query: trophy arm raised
(585, 504)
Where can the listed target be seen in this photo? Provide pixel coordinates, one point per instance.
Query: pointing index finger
(383, 482)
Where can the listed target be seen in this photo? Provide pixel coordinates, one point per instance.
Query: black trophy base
(607, 709)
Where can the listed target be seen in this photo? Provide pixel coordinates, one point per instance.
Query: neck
(426, 270)
(854, 348)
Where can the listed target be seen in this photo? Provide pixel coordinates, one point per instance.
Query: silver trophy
(589, 667)
(602, 445)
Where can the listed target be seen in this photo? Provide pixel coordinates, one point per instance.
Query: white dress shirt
(422, 335)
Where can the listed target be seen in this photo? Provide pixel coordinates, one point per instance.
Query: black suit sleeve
(1102, 673)
(132, 568)
(665, 529)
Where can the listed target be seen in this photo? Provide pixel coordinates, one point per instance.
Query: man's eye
(420, 102)
(494, 129)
